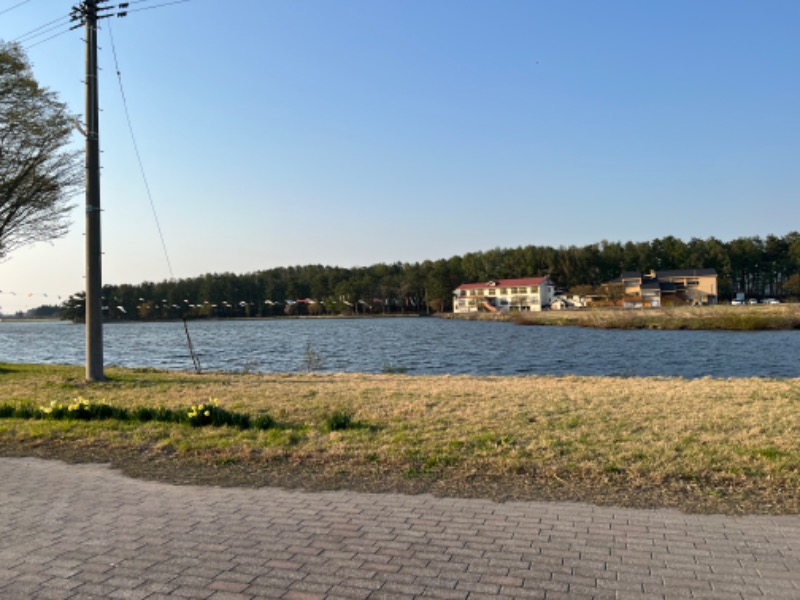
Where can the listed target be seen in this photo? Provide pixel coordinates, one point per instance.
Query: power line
(13, 7)
(192, 353)
(142, 1)
(47, 39)
(2, 12)
(56, 24)
(138, 154)
(33, 32)
(132, 10)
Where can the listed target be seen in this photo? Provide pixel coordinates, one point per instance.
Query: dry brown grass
(705, 444)
(721, 317)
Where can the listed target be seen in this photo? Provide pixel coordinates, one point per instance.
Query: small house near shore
(504, 295)
(693, 286)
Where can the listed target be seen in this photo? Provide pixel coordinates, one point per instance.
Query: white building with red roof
(504, 295)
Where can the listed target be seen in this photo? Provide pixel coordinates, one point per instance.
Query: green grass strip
(198, 415)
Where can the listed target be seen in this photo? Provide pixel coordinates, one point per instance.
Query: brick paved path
(86, 531)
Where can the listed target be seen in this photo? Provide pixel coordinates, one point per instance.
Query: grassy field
(720, 317)
(699, 445)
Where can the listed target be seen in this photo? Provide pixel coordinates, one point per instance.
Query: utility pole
(88, 13)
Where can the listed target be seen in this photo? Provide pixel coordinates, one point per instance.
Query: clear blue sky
(351, 132)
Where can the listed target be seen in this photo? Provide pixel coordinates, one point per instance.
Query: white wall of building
(504, 299)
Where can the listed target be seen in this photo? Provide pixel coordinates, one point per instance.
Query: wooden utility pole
(88, 13)
(94, 253)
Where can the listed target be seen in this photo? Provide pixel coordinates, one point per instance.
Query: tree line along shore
(757, 267)
(710, 318)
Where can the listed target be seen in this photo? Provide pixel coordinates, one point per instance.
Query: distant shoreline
(693, 318)
(23, 320)
(201, 319)
(781, 317)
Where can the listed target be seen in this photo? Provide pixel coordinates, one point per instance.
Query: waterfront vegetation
(721, 317)
(699, 445)
(759, 268)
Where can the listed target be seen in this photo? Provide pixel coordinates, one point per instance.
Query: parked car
(771, 301)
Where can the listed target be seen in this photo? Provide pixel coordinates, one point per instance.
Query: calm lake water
(418, 345)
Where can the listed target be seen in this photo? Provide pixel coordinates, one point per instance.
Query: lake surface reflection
(416, 345)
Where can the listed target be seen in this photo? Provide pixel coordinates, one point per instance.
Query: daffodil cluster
(56, 407)
(78, 409)
(80, 405)
(203, 414)
(206, 414)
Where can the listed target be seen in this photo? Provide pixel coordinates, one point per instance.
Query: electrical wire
(2, 12)
(138, 154)
(195, 358)
(56, 23)
(133, 10)
(131, 2)
(29, 46)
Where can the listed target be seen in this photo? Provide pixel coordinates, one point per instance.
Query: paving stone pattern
(86, 531)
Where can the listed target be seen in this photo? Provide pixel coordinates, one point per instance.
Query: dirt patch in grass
(703, 445)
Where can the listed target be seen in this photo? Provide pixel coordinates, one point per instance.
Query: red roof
(497, 283)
